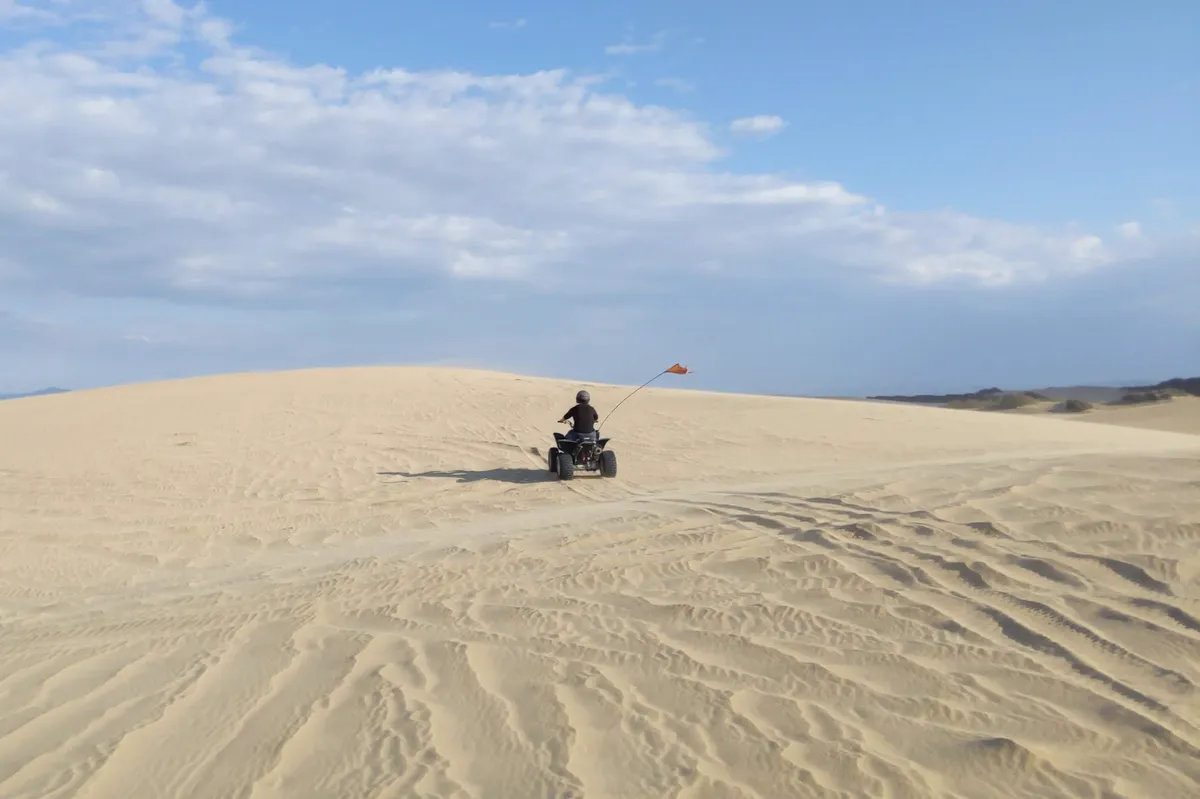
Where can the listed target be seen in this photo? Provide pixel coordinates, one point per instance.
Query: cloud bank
(150, 156)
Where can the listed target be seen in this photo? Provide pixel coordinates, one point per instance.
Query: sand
(1179, 415)
(364, 583)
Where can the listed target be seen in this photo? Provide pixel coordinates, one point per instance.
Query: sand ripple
(288, 612)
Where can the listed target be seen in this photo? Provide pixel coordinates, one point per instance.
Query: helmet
(583, 396)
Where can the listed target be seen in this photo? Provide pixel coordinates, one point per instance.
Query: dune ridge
(355, 583)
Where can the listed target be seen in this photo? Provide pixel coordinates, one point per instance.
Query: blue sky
(831, 198)
(1003, 107)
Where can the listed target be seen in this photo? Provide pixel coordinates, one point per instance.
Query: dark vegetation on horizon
(1182, 385)
(983, 395)
(39, 393)
(1071, 400)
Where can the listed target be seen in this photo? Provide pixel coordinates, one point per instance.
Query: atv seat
(587, 438)
(583, 437)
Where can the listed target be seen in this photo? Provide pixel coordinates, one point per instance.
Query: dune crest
(364, 583)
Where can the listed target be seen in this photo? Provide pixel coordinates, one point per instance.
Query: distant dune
(1181, 415)
(1109, 394)
(1002, 399)
(944, 399)
(1093, 394)
(365, 583)
(39, 393)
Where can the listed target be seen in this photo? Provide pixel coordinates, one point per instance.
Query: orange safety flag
(677, 369)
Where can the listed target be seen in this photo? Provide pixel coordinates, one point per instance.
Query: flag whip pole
(675, 370)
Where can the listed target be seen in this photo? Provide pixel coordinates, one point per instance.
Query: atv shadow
(519, 476)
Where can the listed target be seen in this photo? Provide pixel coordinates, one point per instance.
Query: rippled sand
(363, 583)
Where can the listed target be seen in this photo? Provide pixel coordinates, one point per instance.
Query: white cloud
(1129, 230)
(513, 25)
(11, 9)
(758, 124)
(14, 11)
(243, 174)
(630, 48)
(675, 84)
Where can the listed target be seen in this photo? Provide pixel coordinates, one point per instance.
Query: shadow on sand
(493, 475)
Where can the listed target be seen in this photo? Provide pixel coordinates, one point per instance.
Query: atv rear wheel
(552, 459)
(566, 466)
(608, 463)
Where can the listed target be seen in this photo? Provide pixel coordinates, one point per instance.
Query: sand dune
(363, 583)
(1179, 415)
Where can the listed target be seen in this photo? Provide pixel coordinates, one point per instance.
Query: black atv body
(589, 454)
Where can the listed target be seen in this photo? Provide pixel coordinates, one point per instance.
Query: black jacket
(584, 417)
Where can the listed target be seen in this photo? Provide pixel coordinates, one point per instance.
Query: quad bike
(588, 454)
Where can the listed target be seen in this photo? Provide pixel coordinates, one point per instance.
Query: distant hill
(39, 393)
(1091, 394)
(983, 395)
(1186, 385)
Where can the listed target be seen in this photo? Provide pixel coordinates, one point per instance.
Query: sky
(788, 197)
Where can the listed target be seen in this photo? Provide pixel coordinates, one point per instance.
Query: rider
(583, 415)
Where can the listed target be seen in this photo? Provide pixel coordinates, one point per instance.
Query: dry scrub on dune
(1073, 406)
(1143, 397)
(1006, 401)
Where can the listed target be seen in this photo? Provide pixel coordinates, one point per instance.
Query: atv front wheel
(553, 459)
(566, 466)
(608, 464)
